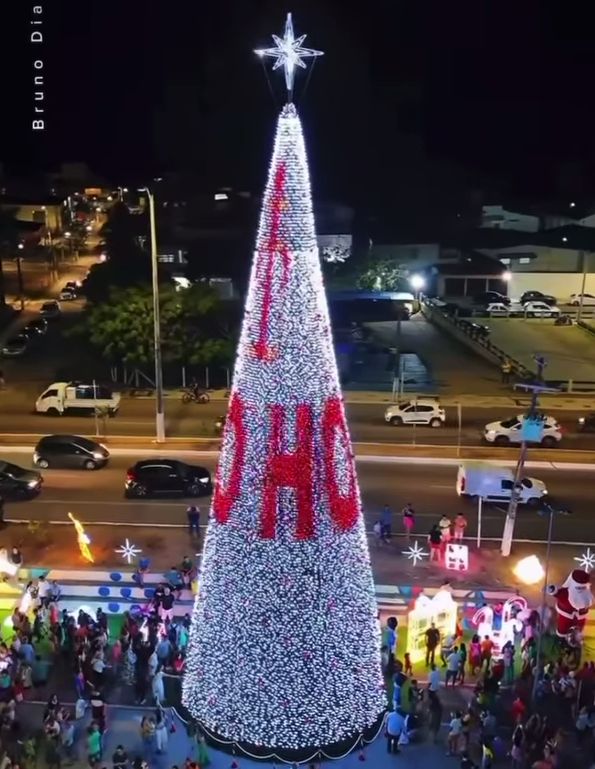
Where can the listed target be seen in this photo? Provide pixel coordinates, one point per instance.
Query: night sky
(410, 97)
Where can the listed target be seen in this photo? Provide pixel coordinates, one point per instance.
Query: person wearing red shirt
(487, 646)
(518, 710)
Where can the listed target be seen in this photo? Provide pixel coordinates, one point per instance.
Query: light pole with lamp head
(21, 247)
(159, 410)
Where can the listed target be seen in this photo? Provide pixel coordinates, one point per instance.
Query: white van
(494, 484)
(61, 397)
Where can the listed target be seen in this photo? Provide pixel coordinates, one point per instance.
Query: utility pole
(584, 263)
(159, 409)
(536, 389)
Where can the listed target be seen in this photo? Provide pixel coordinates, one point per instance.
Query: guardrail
(467, 331)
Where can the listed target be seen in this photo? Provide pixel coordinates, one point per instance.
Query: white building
(499, 218)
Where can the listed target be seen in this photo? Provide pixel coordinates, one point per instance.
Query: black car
(70, 451)
(18, 483)
(488, 297)
(586, 424)
(475, 329)
(166, 477)
(38, 325)
(537, 296)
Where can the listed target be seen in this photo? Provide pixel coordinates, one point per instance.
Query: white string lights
(284, 648)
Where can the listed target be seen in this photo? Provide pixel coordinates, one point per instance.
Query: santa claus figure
(573, 601)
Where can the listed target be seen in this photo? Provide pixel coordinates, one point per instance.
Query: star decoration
(289, 53)
(128, 551)
(586, 560)
(415, 553)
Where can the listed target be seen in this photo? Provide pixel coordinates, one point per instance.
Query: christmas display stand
(284, 652)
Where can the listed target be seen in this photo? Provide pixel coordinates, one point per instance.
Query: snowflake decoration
(289, 53)
(586, 560)
(415, 553)
(128, 551)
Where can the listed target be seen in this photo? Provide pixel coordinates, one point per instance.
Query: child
(407, 668)
(378, 533)
(456, 727)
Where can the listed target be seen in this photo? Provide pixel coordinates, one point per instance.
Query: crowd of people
(90, 656)
(512, 719)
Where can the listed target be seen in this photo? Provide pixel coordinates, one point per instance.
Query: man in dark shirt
(193, 515)
(432, 641)
(120, 758)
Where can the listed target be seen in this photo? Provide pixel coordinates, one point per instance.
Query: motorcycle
(195, 396)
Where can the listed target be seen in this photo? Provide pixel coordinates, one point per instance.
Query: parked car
(39, 325)
(73, 284)
(18, 482)
(537, 296)
(541, 310)
(498, 308)
(15, 347)
(588, 299)
(475, 329)
(486, 297)
(510, 431)
(586, 424)
(166, 477)
(50, 310)
(422, 411)
(70, 451)
(67, 294)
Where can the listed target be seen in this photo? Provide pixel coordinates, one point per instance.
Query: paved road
(98, 497)
(136, 417)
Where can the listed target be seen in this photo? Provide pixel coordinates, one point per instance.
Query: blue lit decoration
(284, 650)
(532, 428)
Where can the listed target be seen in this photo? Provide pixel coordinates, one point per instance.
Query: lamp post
(20, 277)
(159, 411)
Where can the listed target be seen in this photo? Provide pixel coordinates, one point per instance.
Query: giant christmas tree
(284, 648)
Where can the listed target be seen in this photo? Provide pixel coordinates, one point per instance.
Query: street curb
(569, 458)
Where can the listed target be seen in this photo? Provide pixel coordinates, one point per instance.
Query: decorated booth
(441, 610)
(500, 622)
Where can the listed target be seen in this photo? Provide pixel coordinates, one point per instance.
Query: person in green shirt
(94, 744)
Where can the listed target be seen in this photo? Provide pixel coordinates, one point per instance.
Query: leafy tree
(196, 326)
(381, 274)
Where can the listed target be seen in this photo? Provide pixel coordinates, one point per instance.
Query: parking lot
(569, 350)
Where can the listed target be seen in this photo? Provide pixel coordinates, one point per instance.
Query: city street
(98, 497)
(137, 417)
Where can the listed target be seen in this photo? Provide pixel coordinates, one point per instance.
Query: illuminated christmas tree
(284, 648)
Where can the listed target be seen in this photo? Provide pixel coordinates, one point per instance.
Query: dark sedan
(18, 482)
(166, 477)
(586, 424)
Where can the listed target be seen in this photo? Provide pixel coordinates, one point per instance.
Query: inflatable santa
(573, 601)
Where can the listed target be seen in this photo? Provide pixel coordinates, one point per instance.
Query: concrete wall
(559, 284)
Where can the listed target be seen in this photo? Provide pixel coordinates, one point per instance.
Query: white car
(499, 308)
(588, 300)
(422, 411)
(541, 310)
(67, 294)
(510, 431)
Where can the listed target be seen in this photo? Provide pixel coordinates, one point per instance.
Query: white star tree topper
(128, 551)
(289, 53)
(586, 560)
(415, 553)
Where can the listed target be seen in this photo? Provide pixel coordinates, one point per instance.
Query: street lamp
(417, 283)
(20, 277)
(159, 412)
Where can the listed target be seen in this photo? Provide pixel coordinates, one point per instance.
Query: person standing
(193, 515)
(386, 520)
(432, 642)
(160, 730)
(435, 540)
(506, 370)
(444, 525)
(487, 646)
(394, 726)
(408, 520)
(453, 664)
(459, 527)
(158, 688)
(94, 744)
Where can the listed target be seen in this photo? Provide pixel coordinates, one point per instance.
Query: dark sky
(409, 95)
